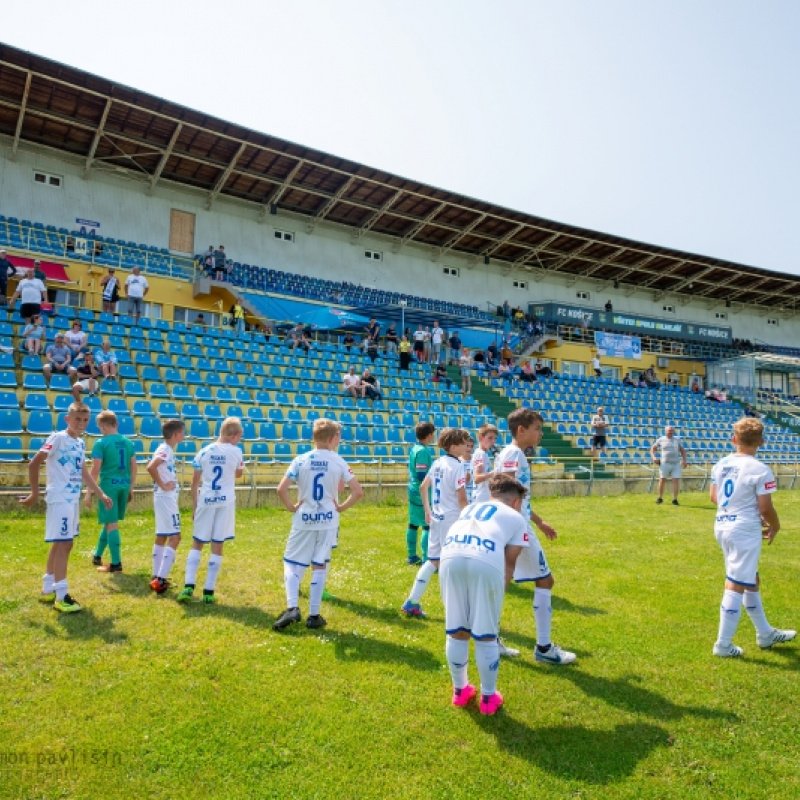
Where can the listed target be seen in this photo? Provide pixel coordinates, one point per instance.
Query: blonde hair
(230, 427)
(108, 418)
(78, 408)
(749, 431)
(325, 429)
(487, 428)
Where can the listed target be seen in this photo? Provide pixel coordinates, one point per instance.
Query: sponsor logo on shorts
(320, 516)
(210, 501)
(470, 539)
(726, 518)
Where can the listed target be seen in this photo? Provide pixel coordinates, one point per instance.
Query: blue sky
(672, 123)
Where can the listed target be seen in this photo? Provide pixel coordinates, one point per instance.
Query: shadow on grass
(558, 603)
(790, 659)
(349, 647)
(625, 693)
(390, 615)
(135, 584)
(83, 625)
(577, 753)
(251, 616)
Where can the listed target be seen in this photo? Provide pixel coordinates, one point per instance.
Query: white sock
(729, 613)
(424, 575)
(192, 565)
(48, 582)
(487, 658)
(755, 610)
(543, 614)
(318, 578)
(167, 560)
(457, 653)
(292, 575)
(61, 589)
(214, 566)
(158, 552)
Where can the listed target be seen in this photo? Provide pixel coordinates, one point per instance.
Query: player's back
(65, 457)
(447, 477)
(740, 479)
(318, 475)
(166, 469)
(420, 458)
(512, 460)
(218, 462)
(116, 452)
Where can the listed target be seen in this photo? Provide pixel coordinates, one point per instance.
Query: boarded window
(181, 231)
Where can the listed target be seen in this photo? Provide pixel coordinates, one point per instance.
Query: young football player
(479, 553)
(114, 463)
(420, 458)
(64, 453)
(446, 482)
(525, 425)
(216, 468)
(742, 488)
(165, 504)
(319, 474)
(481, 462)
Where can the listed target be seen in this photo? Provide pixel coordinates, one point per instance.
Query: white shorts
(306, 547)
(438, 531)
(531, 564)
(62, 522)
(168, 517)
(86, 383)
(670, 470)
(741, 553)
(214, 523)
(472, 594)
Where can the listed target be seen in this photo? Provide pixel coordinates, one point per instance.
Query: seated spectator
(348, 341)
(527, 374)
(266, 329)
(305, 342)
(641, 384)
(722, 395)
(371, 385)
(294, 335)
(86, 374)
(404, 349)
(455, 347)
(35, 335)
(492, 354)
(749, 411)
(542, 370)
(650, 378)
(201, 321)
(75, 338)
(504, 371)
(696, 389)
(440, 376)
(628, 380)
(59, 358)
(106, 360)
(351, 384)
(478, 358)
(711, 393)
(505, 352)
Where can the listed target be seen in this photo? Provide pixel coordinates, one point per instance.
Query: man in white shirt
(598, 370)
(599, 431)
(32, 293)
(673, 458)
(136, 287)
(437, 337)
(351, 384)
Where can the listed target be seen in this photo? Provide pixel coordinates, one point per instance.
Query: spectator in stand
(220, 266)
(110, 285)
(479, 360)
(136, 287)
(505, 351)
(351, 384)
(5, 266)
(465, 363)
(304, 343)
(609, 307)
(650, 378)
(34, 335)
(392, 340)
(598, 370)
(266, 329)
(32, 293)
(722, 395)
(504, 371)
(237, 312)
(455, 347)
(542, 370)
(372, 349)
(696, 388)
(440, 376)
(405, 353)
(75, 338)
(628, 380)
(506, 309)
(86, 378)
(599, 431)
(426, 345)
(59, 358)
(106, 360)
(373, 329)
(294, 336)
(337, 296)
(437, 338)
(208, 261)
(365, 344)
(749, 411)
(370, 385)
(491, 355)
(528, 374)
(201, 321)
(642, 384)
(348, 341)
(419, 343)
(585, 323)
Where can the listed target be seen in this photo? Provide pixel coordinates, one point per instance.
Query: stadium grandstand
(97, 176)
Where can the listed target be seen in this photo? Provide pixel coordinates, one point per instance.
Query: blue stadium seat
(150, 428)
(40, 423)
(9, 400)
(10, 449)
(10, 421)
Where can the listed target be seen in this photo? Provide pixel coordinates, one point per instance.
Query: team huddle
(476, 545)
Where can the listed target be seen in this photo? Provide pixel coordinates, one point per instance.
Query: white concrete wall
(125, 211)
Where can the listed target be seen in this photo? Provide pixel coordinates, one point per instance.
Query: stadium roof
(110, 127)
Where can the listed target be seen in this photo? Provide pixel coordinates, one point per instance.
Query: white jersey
(166, 470)
(318, 475)
(480, 491)
(447, 477)
(670, 449)
(513, 461)
(65, 457)
(739, 481)
(75, 339)
(218, 462)
(483, 530)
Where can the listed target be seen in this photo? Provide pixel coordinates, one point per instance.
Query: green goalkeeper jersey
(116, 453)
(420, 459)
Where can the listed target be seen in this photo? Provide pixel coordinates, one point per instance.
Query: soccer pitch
(139, 696)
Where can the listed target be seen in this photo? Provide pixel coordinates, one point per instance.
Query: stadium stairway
(575, 461)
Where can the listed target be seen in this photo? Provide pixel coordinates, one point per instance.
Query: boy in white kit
(481, 463)
(165, 504)
(525, 425)
(742, 487)
(479, 553)
(319, 474)
(447, 482)
(216, 468)
(65, 454)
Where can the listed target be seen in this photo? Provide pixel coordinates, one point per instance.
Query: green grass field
(141, 697)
